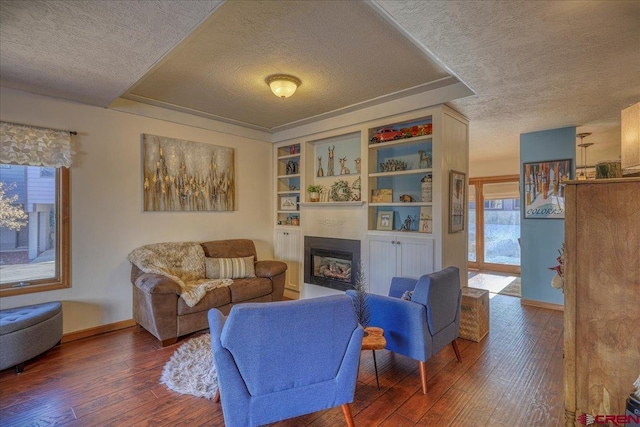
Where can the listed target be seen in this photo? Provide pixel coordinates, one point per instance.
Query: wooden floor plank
(446, 408)
(512, 377)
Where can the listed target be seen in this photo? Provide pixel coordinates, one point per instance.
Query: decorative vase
(557, 282)
(314, 197)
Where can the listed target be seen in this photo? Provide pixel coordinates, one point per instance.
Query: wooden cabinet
(287, 248)
(397, 255)
(602, 296)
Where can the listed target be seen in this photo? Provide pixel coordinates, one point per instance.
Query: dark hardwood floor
(512, 378)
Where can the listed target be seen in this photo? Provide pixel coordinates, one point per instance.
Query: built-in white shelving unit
(413, 166)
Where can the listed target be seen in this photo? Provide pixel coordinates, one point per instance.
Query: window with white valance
(499, 191)
(28, 145)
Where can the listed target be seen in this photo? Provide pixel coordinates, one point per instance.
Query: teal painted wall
(540, 239)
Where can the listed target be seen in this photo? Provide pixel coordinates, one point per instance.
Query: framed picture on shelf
(457, 199)
(382, 195)
(544, 188)
(288, 203)
(426, 220)
(385, 221)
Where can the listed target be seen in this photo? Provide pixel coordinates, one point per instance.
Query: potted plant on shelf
(314, 192)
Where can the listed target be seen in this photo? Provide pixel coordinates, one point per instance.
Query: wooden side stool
(374, 340)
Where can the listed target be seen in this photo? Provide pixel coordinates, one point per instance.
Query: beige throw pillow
(229, 268)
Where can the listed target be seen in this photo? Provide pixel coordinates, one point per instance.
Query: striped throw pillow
(229, 268)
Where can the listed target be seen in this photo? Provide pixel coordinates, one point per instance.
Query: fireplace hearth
(331, 262)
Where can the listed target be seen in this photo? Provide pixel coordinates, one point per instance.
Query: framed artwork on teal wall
(544, 184)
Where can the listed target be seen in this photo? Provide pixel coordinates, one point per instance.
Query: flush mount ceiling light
(283, 85)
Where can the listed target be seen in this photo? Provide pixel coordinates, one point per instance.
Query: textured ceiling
(89, 51)
(344, 53)
(533, 65)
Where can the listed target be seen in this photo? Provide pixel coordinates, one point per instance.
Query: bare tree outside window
(33, 236)
(12, 215)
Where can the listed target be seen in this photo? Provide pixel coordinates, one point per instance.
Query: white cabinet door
(401, 256)
(415, 257)
(382, 263)
(287, 249)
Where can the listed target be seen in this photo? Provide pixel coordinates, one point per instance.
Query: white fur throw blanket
(182, 262)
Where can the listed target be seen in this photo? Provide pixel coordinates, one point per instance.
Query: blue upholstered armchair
(423, 326)
(284, 359)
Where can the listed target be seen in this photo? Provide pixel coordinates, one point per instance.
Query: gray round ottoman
(26, 332)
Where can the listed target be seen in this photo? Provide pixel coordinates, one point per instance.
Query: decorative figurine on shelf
(417, 130)
(386, 134)
(291, 167)
(393, 165)
(405, 198)
(357, 165)
(292, 150)
(320, 170)
(343, 169)
(356, 187)
(425, 159)
(408, 224)
(330, 163)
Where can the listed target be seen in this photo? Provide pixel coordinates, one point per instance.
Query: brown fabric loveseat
(158, 307)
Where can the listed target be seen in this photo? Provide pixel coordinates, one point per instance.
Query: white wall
(500, 167)
(455, 157)
(107, 221)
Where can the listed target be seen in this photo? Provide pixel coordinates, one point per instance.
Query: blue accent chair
(423, 326)
(285, 359)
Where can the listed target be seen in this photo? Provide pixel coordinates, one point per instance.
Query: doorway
(494, 224)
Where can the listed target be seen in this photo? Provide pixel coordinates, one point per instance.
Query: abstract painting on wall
(182, 175)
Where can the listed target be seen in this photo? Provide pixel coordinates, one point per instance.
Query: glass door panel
(501, 223)
(494, 224)
(472, 223)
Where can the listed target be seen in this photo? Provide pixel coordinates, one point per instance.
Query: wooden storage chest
(474, 314)
(601, 296)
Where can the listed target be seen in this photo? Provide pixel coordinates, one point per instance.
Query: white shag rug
(191, 370)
